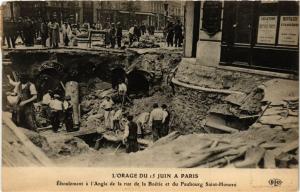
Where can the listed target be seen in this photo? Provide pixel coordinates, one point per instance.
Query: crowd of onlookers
(49, 33)
(35, 31)
(174, 34)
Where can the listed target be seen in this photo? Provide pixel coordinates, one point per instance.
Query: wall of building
(189, 27)
(209, 47)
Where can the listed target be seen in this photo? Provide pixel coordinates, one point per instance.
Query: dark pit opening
(117, 74)
(97, 141)
(138, 82)
(48, 79)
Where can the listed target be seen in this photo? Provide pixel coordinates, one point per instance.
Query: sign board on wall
(289, 30)
(267, 29)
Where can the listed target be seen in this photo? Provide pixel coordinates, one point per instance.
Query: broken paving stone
(278, 120)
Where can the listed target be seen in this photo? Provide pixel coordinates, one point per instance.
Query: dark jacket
(119, 31)
(132, 131)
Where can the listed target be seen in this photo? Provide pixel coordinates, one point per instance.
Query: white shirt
(107, 104)
(165, 115)
(131, 30)
(143, 118)
(122, 87)
(156, 115)
(46, 99)
(117, 115)
(66, 105)
(126, 130)
(17, 84)
(56, 104)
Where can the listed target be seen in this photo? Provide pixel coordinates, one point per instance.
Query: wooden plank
(286, 148)
(269, 160)
(271, 145)
(252, 157)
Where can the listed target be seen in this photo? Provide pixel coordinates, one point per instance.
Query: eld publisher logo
(275, 182)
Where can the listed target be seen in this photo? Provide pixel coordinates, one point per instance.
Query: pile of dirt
(210, 77)
(190, 109)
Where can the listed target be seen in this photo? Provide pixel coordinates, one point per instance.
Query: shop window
(278, 24)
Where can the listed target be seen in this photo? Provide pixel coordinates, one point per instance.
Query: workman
(45, 104)
(141, 122)
(56, 108)
(130, 135)
(23, 111)
(116, 119)
(156, 122)
(68, 113)
(47, 97)
(122, 91)
(107, 105)
(166, 120)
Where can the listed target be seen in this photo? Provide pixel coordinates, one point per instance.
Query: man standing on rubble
(23, 112)
(45, 104)
(116, 119)
(166, 120)
(68, 113)
(141, 122)
(107, 105)
(130, 135)
(56, 107)
(156, 121)
(122, 91)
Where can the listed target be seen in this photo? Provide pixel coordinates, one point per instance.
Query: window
(278, 24)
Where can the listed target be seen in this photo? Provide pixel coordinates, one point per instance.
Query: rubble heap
(255, 148)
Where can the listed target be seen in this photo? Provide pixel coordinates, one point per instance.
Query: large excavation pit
(97, 74)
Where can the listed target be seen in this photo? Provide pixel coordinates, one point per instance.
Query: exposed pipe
(224, 91)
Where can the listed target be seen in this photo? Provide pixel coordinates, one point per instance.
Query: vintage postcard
(150, 95)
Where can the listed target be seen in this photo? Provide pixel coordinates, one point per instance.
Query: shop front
(261, 35)
(249, 34)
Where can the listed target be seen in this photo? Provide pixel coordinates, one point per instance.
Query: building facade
(248, 34)
(149, 13)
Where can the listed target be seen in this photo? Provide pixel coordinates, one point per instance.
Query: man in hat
(116, 119)
(107, 105)
(66, 32)
(56, 107)
(55, 33)
(119, 34)
(156, 122)
(166, 120)
(130, 135)
(141, 122)
(112, 34)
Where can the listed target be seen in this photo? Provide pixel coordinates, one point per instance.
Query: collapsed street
(215, 125)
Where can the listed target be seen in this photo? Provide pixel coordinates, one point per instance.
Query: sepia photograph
(151, 84)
